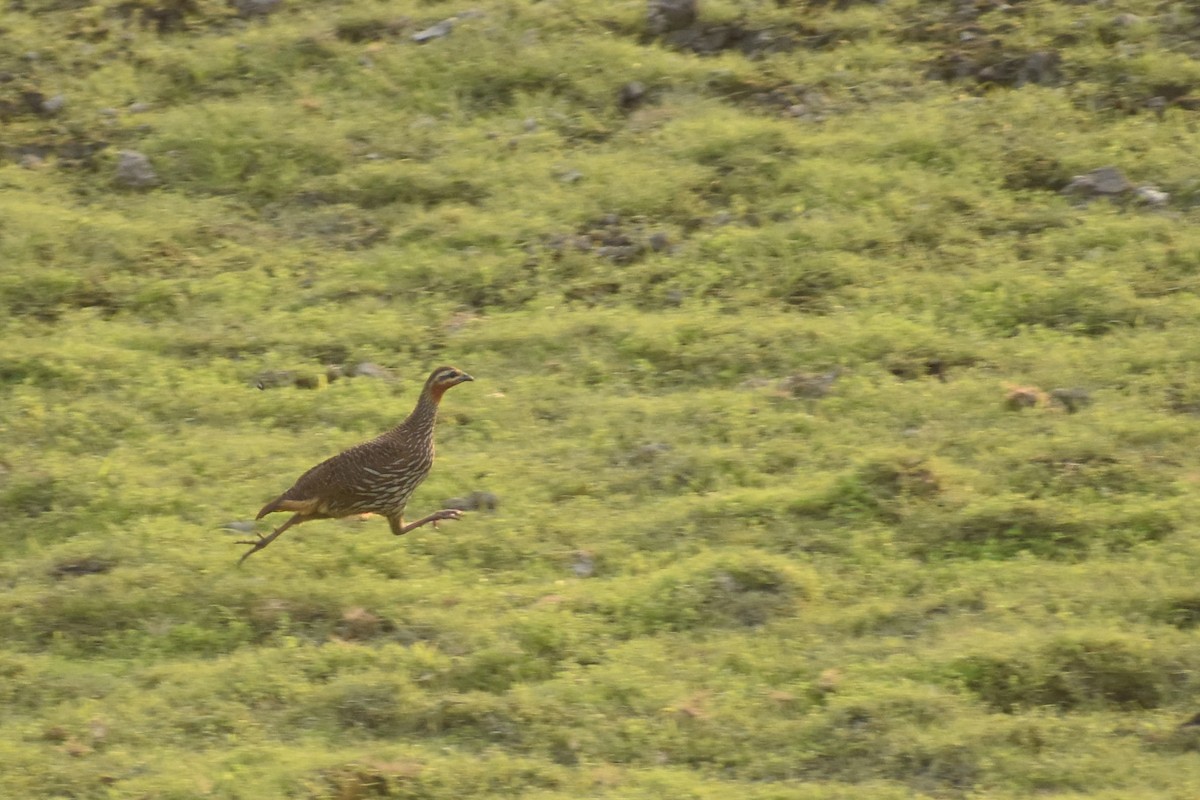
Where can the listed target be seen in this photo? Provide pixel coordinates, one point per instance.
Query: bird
(375, 477)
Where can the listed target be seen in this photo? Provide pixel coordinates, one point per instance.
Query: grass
(698, 581)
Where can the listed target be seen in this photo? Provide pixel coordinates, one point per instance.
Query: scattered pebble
(437, 31)
(134, 170)
(475, 501)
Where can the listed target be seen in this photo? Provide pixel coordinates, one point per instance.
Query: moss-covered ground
(711, 573)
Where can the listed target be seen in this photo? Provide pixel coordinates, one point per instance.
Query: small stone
(139, 108)
(1151, 196)
(530, 124)
(1072, 399)
(475, 501)
(255, 8)
(571, 176)
(659, 241)
(808, 385)
(664, 16)
(75, 567)
(31, 161)
(1158, 105)
(584, 565)
(437, 31)
(134, 170)
(649, 452)
(239, 526)
(359, 623)
(366, 369)
(53, 105)
(1021, 397)
(631, 95)
(1105, 181)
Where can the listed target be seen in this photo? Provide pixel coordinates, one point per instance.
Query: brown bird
(375, 477)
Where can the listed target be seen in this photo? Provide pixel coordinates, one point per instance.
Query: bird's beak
(464, 377)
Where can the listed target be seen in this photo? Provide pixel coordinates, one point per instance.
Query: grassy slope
(900, 590)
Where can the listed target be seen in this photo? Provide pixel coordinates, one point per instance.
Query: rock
(1072, 399)
(89, 565)
(648, 452)
(571, 176)
(1039, 68)
(134, 170)
(584, 565)
(1126, 20)
(366, 369)
(255, 8)
(1105, 181)
(239, 526)
(139, 108)
(809, 385)
(665, 16)
(1151, 196)
(436, 31)
(659, 241)
(475, 501)
(53, 105)
(275, 379)
(631, 95)
(31, 161)
(359, 623)
(1020, 397)
(1158, 105)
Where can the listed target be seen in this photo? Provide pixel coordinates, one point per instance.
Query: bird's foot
(258, 544)
(444, 514)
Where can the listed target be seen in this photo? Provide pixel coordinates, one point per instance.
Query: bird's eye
(451, 374)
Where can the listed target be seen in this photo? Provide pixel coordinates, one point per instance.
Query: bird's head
(443, 378)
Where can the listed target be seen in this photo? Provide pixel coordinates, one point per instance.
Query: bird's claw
(445, 514)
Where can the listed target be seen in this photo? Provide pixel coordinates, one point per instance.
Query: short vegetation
(830, 438)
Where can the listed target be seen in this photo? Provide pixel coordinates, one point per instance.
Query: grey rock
(811, 386)
(239, 526)
(53, 105)
(277, 379)
(134, 170)
(665, 16)
(436, 31)
(584, 565)
(475, 501)
(89, 565)
(1152, 196)
(256, 8)
(366, 369)
(631, 95)
(139, 108)
(1102, 182)
(659, 241)
(1072, 399)
(649, 452)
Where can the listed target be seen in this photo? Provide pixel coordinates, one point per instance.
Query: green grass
(696, 584)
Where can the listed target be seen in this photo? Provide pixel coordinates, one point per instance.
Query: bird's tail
(269, 507)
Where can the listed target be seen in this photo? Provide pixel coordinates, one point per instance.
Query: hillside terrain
(834, 423)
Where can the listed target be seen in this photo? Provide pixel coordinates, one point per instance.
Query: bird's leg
(400, 528)
(263, 541)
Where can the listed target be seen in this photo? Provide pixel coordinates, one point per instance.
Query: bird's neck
(424, 415)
